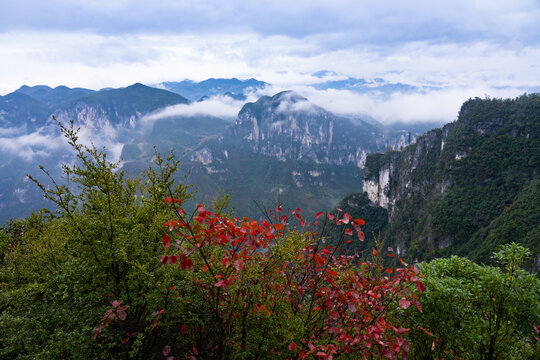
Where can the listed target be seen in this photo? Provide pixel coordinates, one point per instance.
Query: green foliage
(61, 272)
(478, 312)
(470, 186)
(519, 221)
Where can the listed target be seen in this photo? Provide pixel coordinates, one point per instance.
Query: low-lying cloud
(440, 105)
(223, 107)
(30, 146)
(47, 141)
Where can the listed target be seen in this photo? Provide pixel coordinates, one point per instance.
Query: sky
(449, 50)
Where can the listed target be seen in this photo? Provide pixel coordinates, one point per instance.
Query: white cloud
(96, 61)
(430, 106)
(46, 142)
(29, 146)
(290, 103)
(219, 106)
(461, 66)
(12, 131)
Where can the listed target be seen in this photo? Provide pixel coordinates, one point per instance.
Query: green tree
(478, 312)
(60, 272)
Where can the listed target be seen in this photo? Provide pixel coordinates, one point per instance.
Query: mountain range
(293, 150)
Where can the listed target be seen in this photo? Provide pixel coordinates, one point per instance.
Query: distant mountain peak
(288, 96)
(284, 102)
(137, 85)
(194, 90)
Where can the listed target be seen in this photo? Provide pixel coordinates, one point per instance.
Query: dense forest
(463, 189)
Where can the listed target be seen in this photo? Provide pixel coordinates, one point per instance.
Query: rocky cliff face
(443, 192)
(395, 175)
(117, 108)
(95, 116)
(287, 126)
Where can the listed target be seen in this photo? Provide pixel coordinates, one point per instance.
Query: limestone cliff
(287, 126)
(444, 192)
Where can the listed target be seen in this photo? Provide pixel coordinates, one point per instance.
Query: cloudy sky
(449, 50)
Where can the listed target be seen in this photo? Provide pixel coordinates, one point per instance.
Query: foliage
(60, 272)
(271, 289)
(376, 218)
(460, 189)
(478, 312)
(520, 221)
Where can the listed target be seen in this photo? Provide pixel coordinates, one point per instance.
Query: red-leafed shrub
(272, 289)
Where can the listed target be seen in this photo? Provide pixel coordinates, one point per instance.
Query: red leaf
(404, 303)
(116, 303)
(330, 216)
(239, 264)
(292, 346)
(375, 252)
(361, 236)
(420, 287)
(318, 215)
(166, 350)
(166, 241)
(202, 211)
(427, 332)
(173, 260)
(279, 208)
(195, 351)
(279, 227)
(331, 272)
(348, 232)
(359, 222)
(184, 329)
(168, 200)
(334, 315)
(284, 219)
(98, 330)
(121, 314)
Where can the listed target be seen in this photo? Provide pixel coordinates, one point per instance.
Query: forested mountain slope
(467, 187)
